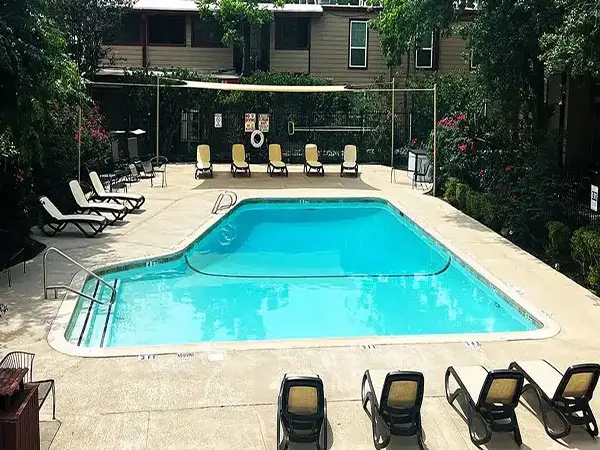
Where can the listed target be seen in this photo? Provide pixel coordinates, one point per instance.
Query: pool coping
(58, 341)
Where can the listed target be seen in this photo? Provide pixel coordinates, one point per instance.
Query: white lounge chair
(203, 163)
(349, 163)
(312, 160)
(84, 206)
(58, 221)
(132, 200)
(238, 156)
(276, 161)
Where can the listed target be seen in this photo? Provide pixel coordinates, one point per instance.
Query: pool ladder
(220, 206)
(92, 298)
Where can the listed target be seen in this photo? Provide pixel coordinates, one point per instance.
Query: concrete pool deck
(226, 398)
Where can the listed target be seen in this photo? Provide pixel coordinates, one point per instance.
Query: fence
(577, 198)
(369, 131)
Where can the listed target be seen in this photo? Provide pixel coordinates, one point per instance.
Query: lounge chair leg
(543, 405)
(53, 402)
(488, 432)
(420, 440)
(591, 427)
(517, 432)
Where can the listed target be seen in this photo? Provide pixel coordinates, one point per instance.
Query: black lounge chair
(117, 211)
(398, 411)
(491, 396)
(311, 162)
(302, 411)
(568, 394)
(131, 200)
(24, 360)
(238, 160)
(58, 221)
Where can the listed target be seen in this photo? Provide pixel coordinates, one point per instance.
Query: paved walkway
(202, 402)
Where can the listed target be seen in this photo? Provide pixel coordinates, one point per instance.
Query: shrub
(483, 208)
(585, 245)
(450, 191)
(462, 190)
(558, 249)
(594, 277)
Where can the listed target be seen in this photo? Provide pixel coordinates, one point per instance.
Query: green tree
(402, 22)
(84, 25)
(234, 17)
(574, 45)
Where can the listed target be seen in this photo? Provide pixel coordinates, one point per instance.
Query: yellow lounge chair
(312, 160)
(349, 162)
(238, 155)
(276, 161)
(203, 163)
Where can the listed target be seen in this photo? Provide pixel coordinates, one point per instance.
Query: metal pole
(393, 113)
(79, 147)
(410, 128)
(157, 113)
(434, 137)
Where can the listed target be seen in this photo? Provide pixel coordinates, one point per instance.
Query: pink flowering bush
(459, 151)
(59, 164)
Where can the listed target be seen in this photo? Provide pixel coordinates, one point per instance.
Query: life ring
(261, 139)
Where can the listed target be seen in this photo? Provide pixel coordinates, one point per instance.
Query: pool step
(96, 316)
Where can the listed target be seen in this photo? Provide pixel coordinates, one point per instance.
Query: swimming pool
(297, 269)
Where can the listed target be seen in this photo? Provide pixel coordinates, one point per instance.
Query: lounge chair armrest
(367, 379)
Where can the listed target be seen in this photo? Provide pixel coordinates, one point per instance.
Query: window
(357, 57)
(206, 32)
(168, 30)
(292, 33)
(129, 31)
(424, 52)
(467, 5)
(473, 60)
(190, 125)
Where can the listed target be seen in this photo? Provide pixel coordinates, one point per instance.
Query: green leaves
(402, 22)
(234, 15)
(574, 44)
(84, 25)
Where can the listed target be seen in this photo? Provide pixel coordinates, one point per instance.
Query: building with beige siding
(328, 40)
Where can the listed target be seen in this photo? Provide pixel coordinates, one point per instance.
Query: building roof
(191, 6)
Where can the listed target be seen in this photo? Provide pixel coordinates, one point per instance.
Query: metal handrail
(218, 207)
(75, 291)
(64, 286)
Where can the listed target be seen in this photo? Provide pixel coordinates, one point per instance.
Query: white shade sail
(261, 87)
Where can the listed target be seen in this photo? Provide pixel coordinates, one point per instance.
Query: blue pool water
(294, 269)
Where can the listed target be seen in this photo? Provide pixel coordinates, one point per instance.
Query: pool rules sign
(594, 199)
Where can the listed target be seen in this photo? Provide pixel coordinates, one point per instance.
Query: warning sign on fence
(249, 122)
(263, 123)
(218, 120)
(594, 200)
